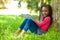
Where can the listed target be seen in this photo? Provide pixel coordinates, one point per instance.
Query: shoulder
(47, 18)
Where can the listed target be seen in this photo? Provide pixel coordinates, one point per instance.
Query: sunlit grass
(9, 24)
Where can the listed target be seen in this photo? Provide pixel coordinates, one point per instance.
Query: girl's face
(45, 11)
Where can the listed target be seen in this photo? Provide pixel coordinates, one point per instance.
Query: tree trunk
(56, 12)
(39, 5)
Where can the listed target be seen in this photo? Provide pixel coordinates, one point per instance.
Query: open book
(27, 16)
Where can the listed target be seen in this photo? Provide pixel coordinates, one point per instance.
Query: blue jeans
(31, 25)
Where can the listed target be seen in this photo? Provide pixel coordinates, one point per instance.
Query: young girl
(37, 27)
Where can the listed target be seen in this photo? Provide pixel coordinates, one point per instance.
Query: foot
(14, 34)
(20, 36)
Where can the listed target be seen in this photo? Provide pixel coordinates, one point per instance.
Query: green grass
(9, 24)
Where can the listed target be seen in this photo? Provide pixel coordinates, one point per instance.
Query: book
(27, 16)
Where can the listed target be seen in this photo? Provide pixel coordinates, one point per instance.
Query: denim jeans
(31, 25)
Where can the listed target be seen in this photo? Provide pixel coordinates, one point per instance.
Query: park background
(11, 18)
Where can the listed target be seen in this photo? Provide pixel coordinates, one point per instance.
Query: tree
(47, 1)
(33, 4)
(2, 3)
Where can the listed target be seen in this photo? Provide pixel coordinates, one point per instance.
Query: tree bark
(39, 5)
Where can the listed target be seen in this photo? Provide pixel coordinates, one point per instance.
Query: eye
(44, 11)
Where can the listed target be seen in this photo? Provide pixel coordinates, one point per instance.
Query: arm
(47, 19)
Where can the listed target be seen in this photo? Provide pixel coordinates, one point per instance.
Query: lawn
(9, 24)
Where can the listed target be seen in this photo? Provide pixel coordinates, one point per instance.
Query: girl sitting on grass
(37, 27)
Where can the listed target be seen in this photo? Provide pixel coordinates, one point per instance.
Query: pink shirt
(44, 24)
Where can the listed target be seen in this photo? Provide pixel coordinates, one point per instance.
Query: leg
(21, 27)
(33, 27)
(26, 26)
(30, 24)
(23, 24)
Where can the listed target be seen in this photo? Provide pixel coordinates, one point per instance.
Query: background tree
(2, 3)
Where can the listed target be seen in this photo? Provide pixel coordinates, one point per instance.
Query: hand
(32, 17)
(29, 14)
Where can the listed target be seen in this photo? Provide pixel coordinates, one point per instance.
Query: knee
(26, 19)
(30, 20)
